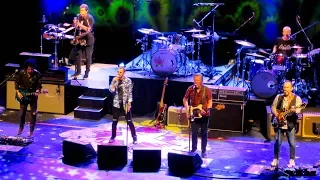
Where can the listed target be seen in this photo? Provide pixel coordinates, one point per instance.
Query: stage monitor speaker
(112, 157)
(44, 61)
(184, 164)
(226, 116)
(146, 159)
(311, 125)
(270, 130)
(75, 151)
(55, 101)
(177, 117)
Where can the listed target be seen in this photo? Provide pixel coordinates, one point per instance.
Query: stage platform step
(88, 113)
(92, 102)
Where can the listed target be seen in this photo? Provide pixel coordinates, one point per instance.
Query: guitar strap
(203, 95)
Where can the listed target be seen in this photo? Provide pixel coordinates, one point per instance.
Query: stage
(236, 156)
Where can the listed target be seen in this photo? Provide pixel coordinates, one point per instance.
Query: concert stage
(242, 156)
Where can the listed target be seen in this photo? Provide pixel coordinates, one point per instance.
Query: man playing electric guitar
(198, 94)
(288, 101)
(28, 79)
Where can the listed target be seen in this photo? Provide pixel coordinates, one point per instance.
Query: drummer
(286, 45)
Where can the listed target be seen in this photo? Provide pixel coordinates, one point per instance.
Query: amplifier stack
(230, 114)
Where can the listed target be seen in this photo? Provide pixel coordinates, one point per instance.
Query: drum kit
(55, 33)
(267, 72)
(168, 55)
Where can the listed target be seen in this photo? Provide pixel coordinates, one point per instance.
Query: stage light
(121, 65)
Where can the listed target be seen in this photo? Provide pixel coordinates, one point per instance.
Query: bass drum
(164, 62)
(265, 84)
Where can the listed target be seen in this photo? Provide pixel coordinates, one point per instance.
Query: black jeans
(116, 114)
(201, 123)
(86, 52)
(34, 110)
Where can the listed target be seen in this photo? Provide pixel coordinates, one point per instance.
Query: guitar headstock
(303, 105)
(220, 107)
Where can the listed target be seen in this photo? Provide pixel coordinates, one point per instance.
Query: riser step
(88, 113)
(92, 102)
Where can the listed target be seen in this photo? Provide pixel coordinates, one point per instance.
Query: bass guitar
(195, 112)
(282, 117)
(161, 111)
(27, 94)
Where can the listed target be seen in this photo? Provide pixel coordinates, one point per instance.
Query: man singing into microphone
(84, 25)
(283, 45)
(121, 87)
(199, 94)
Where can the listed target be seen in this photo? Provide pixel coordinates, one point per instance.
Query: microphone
(66, 10)
(196, 23)
(194, 87)
(253, 14)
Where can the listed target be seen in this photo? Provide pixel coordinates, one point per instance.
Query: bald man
(287, 100)
(283, 45)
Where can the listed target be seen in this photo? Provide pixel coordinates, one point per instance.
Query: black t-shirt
(88, 21)
(31, 83)
(120, 90)
(284, 47)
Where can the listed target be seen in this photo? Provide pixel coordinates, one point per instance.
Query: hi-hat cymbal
(244, 43)
(255, 55)
(148, 31)
(194, 30)
(296, 47)
(200, 36)
(300, 55)
(263, 51)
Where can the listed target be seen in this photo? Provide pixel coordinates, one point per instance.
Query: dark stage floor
(241, 156)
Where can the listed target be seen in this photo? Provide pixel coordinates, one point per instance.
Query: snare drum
(265, 83)
(165, 62)
(279, 62)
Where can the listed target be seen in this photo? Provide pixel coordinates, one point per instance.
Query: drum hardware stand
(212, 70)
(145, 53)
(43, 21)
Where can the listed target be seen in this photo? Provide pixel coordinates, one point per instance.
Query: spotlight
(121, 65)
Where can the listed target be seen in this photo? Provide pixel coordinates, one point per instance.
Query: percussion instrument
(279, 62)
(165, 62)
(179, 42)
(159, 44)
(265, 83)
(244, 43)
(255, 66)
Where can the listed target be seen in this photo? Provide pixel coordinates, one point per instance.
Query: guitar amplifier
(311, 125)
(177, 117)
(230, 118)
(56, 75)
(44, 61)
(215, 90)
(232, 94)
(270, 128)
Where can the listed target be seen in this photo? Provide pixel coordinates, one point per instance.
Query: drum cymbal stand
(143, 61)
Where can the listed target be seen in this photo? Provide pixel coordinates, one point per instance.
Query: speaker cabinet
(55, 101)
(76, 151)
(227, 116)
(146, 160)
(44, 61)
(177, 117)
(270, 128)
(184, 164)
(112, 157)
(311, 125)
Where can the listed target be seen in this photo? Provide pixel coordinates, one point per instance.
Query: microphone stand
(6, 79)
(133, 37)
(305, 28)
(243, 24)
(311, 45)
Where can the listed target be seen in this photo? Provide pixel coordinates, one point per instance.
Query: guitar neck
(162, 95)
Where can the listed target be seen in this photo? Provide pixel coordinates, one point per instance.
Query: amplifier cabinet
(229, 118)
(177, 117)
(311, 125)
(271, 131)
(55, 101)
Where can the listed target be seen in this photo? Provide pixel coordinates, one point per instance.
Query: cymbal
(163, 38)
(263, 51)
(296, 47)
(200, 36)
(148, 31)
(255, 55)
(300, 55)
(194, 30)
(244, 43)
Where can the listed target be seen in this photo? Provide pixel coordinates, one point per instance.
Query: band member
(121, 87)
(199, 94)
(84, 24)
(283, 45)
(28, 79)
(287, 100)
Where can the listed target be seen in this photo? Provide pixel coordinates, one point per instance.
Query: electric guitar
(27, 94)
(195, 112)
(161, 109)
(282, 117)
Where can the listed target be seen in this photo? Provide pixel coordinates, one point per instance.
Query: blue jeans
(291, 136)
